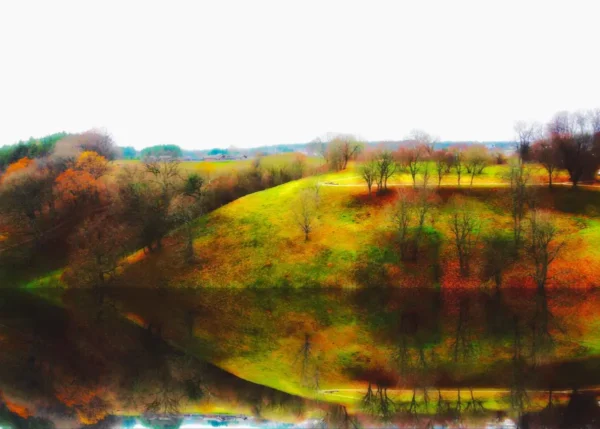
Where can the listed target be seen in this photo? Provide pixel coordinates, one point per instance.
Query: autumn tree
(26, 201)
(93, 163)
(543, 247)
(464, 225)
(76, 187)
(97, 248)
(476, 160)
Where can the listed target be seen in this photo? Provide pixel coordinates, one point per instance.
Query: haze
(215, 74)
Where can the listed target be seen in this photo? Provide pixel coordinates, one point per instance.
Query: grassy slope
(256, 241)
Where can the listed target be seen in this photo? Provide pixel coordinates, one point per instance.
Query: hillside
(256, 241)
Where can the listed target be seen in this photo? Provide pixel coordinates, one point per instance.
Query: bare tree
(543, 248)
(340, 149)
(306, 210)
(458, 163)
(415, 158)
(423, 206)
(464, 225)
(386, 168)
(443, 163)
(402, 217)
(527, 133)
(575, 138)
(546, 153)
(519, 197)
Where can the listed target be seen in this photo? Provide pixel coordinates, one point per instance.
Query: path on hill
(451, 185)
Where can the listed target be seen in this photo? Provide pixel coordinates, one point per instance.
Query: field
(213, 169)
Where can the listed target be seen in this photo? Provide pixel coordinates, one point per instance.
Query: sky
(205, 74)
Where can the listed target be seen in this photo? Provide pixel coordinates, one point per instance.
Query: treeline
(32, 148)
(80, 211)
(569, 142)
(169, 150)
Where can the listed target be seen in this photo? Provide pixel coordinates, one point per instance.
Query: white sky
(217, 73)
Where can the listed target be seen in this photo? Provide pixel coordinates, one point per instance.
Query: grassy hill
(256, 241)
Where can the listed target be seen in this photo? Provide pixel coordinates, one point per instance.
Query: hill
(255, 241)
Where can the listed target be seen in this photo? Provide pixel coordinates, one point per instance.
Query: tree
(99, 142)
(409, 217)
(306, 210)
(464, 225)
(386, 167)
(519, 198)
(402, 217)
(91, 162)
(97, 249)
(443, 161)
(412, 159)
(368, 171)
(497, 255)
(527, 133)
(128, 152)
(458, 162)
(26, 202)
(476, 159)
(349, 147)
(76, 187)
(17, 166)
(186, 207)
(415, 158)
(542, 246)
(423, 205)
(146, 196)
(340, 149)
(575, 137)
(546, 153)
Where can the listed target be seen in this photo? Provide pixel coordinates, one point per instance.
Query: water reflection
(314, 357)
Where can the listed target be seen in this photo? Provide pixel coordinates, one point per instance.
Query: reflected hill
(332, 357)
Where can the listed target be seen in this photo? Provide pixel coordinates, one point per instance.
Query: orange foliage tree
(19, 165)
(72, 186)
(91, 162)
